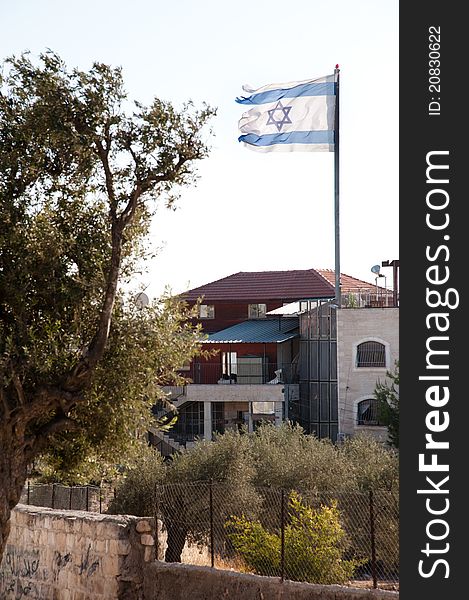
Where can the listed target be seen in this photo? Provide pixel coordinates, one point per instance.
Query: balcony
(270, 382)
(364, 298)
(244, 372)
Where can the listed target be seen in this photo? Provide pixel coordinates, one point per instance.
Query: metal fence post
(373, 541)
(100, 499)
(282, 536)
(157, 535)
(53, 495)
(29, 492)
(70, 498)
(212, 549)
(87, 498)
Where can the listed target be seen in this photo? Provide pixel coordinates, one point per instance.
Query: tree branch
(96, 349)
(34, 444)
(6, 407)
(129, 211)
(170, 174)
(18, 387)
(104, 157)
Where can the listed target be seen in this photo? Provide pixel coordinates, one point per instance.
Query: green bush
(285, 457)
(135, 493)
(252, 467)
(371, 464)
(277, 457)
(314, 544)
(259, 549)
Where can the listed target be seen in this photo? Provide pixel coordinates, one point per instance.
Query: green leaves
(259, 549)
(246, 492)
(146, 347)
(314, 544)
(80, 176)
(387, 395)
(283, 457)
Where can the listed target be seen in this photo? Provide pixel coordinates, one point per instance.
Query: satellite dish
(376, 269)
(142, 300)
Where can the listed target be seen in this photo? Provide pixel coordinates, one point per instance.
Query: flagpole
(336, 189)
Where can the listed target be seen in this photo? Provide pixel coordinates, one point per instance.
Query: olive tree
(82, 170)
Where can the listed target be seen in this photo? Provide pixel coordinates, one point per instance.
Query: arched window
(367, 412)
(371, 354)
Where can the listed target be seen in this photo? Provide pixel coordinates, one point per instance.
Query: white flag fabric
(295, 116)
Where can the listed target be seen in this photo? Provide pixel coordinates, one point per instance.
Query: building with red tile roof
(327, 361)
(351, 284)
(283, 286)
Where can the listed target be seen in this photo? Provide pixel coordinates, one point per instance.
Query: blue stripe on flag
(306, 89)
(293, 137)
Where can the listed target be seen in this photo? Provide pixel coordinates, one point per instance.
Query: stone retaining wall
(170, 581)
(75, 555)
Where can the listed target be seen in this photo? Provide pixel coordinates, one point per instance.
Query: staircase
(166, 443)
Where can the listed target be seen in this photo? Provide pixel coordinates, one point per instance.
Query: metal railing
(242, 373)
(312, 537)
(366, 298)
(89, 498)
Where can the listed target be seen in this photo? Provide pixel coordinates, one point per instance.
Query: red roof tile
(349, 283)
(265, 285)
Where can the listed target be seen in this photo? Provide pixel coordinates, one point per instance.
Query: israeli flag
(295, 116)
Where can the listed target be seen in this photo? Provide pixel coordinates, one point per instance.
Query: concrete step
(166, 438)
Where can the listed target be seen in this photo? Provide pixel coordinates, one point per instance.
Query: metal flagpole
(336, 188)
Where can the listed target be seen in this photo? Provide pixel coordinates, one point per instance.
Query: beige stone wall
(355, 384)
(169, 581)
(234, 393)
(74, 555)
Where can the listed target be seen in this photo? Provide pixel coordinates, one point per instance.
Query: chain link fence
(54, 495)
(311, 537)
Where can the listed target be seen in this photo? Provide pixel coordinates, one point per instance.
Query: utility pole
(395, 279)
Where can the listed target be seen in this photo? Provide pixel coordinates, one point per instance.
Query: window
(218, 417)
(256, 311)
(251, 369)
(190, 422)
(229, 367)
(371, 354)
(206, 311)
(367, 412)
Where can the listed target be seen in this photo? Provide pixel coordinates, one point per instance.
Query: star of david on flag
(284, 110)
(295, 116)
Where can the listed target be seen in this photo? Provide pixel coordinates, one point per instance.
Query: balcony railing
(365, 298)
(242, 373)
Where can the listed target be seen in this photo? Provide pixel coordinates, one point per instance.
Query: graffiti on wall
(24, 575)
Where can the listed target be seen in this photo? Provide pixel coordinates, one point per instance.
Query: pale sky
(250, 211)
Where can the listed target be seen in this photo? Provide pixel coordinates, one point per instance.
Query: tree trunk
(176, 539)
(22, 434)
(13, 474)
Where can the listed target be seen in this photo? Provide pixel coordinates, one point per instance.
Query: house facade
(368, 347)
(280, 351)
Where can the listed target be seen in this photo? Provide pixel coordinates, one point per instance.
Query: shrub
(259, 549)
(135, 495)
(226, 459)
(314, 544)
(286, 457)
(253, 468)
(371, 464)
